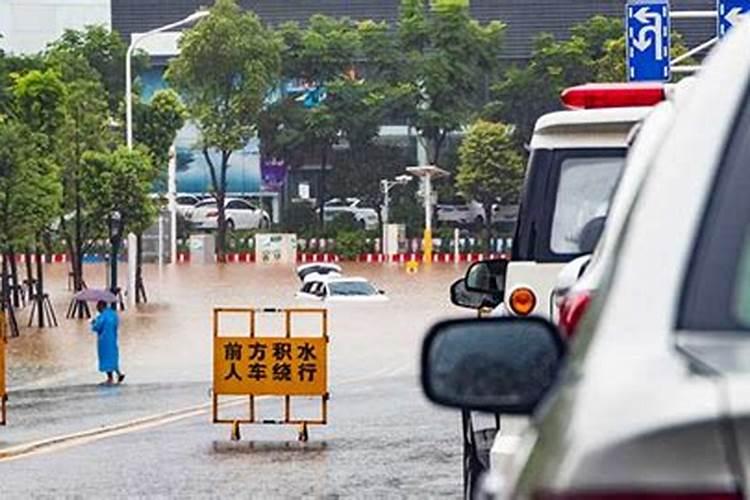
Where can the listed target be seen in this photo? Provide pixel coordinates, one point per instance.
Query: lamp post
(115, 236)
(128, 69)
(129, 126)
(427, 173)
(386, 186)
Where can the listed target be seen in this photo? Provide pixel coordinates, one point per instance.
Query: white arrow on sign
(735, 16)
(642, 43)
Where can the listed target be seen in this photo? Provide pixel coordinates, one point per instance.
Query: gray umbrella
(95, 295)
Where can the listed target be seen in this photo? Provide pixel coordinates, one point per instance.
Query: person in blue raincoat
(105, 326)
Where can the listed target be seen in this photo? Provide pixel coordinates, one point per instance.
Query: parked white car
(461, 214)
(340, 289)
(186, 203)
(367, 218)
(651, 399)
(239, 213)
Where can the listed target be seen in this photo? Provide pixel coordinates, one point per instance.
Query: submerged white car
(315, 272)
(340, 289)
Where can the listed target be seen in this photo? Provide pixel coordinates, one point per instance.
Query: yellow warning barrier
(283, 365)
(3, 392)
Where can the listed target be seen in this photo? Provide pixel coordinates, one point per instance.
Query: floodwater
(383, 439)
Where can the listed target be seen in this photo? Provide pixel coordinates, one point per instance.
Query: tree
(119, 182)
(447, 60)
(323, 56)
(595, 52)
(227, 64)
(156, 123)
(491, 169)
(97, 51)
(29, 191)
(86, 129)
(38, 98)
(155, 127)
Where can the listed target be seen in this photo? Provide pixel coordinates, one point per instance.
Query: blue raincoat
(105, 326)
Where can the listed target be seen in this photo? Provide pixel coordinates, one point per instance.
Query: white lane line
(65, 441)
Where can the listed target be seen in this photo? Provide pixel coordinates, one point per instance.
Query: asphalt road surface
(153, 437)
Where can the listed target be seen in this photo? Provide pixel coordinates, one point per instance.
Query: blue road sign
(730, 13)
(648, 36)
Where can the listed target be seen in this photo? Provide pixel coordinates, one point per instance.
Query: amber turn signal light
(522, 301)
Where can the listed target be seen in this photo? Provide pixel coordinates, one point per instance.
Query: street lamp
(386, 186)
(129, 134)
(128, 70)
(427, 172)
(115, 236)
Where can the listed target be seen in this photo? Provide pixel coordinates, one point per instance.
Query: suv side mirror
(487, 276)
(462, 297)
(500, 365)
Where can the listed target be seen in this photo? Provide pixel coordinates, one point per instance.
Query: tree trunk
(322, 186)
(4, 298)
(16, 296)
(29, 271)
(39, 287)
(221, 237)
(140, 289)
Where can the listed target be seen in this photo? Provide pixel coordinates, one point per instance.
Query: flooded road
(383, 439)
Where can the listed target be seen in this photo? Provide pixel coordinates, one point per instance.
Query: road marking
(65, 441)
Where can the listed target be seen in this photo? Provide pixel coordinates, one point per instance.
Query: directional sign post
(730, 13)
(648, 40)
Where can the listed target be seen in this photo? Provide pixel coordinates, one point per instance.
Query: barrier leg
(303, 436)
(236, 431)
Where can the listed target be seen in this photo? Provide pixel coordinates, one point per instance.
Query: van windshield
(584, 192)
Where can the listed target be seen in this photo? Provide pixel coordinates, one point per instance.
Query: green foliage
(95, 52)
(29, 192)
(38, 97)
(447, 57)
(227, 64)
(322, 51)
(594, 53)
(350, 244)
(300, 218)
(491, 168)
(155, 124)
(358, 172)
(120, 181)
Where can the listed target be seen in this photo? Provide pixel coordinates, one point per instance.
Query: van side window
(584, 193)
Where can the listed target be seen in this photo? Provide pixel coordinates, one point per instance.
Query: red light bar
(613, 95)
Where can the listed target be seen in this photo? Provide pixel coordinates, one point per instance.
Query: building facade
(525, 18)
(27, 26)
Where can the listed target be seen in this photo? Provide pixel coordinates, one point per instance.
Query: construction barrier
(285, 366)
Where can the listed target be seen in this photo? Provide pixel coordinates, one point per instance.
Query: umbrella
(95, 295)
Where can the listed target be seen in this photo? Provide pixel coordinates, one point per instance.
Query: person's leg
(120, 376)
(110, 379)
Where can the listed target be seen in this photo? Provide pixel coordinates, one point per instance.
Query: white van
(576, 160)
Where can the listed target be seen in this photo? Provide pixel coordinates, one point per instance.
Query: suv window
(717, 288)
(583, 196)
(564, 190)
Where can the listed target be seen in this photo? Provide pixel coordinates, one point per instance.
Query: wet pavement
(383, 440)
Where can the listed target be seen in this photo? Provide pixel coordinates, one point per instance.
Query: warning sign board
(284, 366)
(270, 366)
